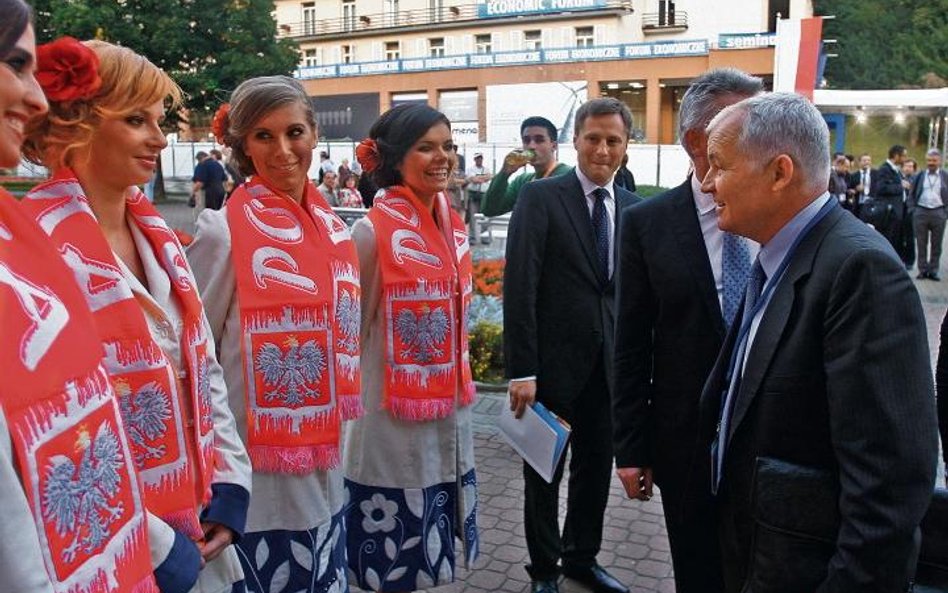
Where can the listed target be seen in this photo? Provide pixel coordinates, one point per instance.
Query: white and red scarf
(166, 410)
(72, 454)
(426, 269)
(298, 291)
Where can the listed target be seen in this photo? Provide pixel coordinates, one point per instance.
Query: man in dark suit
(678, 275)
(861, 183)
(828, 369)
(558, 338)
(928, 201)
(889, 194)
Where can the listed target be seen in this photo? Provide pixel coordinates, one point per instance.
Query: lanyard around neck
(771, 284)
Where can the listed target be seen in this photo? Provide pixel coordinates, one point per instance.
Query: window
(393, 50)
(349, 15)
(584, 37)
(348, 54)
(436, 47)
(309, 18)
(391, 11)
(310, 58)
(482, 44)
(436, 10)
(531, 40)
(666, 13)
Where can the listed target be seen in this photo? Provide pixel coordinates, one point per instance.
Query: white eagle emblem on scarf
(78, 499)
(290, 374)
(422, 334)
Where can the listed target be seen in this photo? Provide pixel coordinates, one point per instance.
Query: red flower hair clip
(368, 154)
(221, 122)
(67, 70)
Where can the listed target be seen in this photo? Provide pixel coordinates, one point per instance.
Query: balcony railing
(424, 17)
(658, 22)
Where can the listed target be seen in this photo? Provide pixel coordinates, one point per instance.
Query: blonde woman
(102, 138)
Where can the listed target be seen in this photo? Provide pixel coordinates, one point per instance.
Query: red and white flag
(797, 59)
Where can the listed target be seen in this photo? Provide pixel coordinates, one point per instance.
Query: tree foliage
(207, 46)
(886, 43)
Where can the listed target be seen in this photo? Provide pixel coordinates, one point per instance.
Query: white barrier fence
(652, 164)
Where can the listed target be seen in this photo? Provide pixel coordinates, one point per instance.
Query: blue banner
(746, 40)
(501, 8)
(630, 51)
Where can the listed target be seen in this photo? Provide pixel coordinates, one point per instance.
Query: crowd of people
(286, 404)
(904, 204)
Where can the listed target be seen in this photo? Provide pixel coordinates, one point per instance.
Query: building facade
(489, 63)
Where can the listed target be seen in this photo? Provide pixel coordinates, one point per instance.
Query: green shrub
(486, 345)
(647, 191)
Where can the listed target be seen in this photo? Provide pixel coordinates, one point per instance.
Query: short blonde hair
(129, 82)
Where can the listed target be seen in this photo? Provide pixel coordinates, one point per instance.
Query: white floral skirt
(405, 539)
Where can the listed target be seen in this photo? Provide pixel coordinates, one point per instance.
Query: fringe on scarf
(350, 406)
(415, 409)
(294, 460)
(185, 521)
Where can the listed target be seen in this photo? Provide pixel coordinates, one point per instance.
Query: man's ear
(782, 170)
(695, 143)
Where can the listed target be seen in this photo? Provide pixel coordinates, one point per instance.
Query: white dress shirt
(610, 203)
(713, 236)
(931, 190)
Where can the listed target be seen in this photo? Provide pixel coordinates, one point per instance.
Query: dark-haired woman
(279, 272)
(409, 461)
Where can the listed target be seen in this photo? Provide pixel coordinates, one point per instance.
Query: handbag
(875, 213)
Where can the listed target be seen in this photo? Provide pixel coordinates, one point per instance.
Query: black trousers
(590, 470)
(693, 539)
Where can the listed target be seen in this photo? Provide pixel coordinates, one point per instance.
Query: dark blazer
(669, 329)
(855, 178)
(838, 378)
(558, 306)
(918, 184)
(888, 185)
(941, 388)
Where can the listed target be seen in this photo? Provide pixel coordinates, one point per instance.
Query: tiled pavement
(635, 544)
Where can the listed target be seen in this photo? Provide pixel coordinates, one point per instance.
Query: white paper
(532, 438)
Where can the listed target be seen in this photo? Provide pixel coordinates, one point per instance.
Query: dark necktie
(751, 295)
(600, 222)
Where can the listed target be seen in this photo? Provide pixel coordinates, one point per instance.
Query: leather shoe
(544, 587)
(922, 276)
(596, 578)
(934, 276)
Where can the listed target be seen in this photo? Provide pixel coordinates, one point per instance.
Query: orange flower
(67, 70)
(489, 277)
(367, 152)
(221, 122)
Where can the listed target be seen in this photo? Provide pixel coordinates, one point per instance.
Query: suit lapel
(623, 198)
(574, 202)
(690, 238)
(775, 318)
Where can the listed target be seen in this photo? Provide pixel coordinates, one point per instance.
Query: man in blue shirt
(209, 177)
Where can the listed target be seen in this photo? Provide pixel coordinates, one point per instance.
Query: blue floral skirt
(404, 539)
(312, 561)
